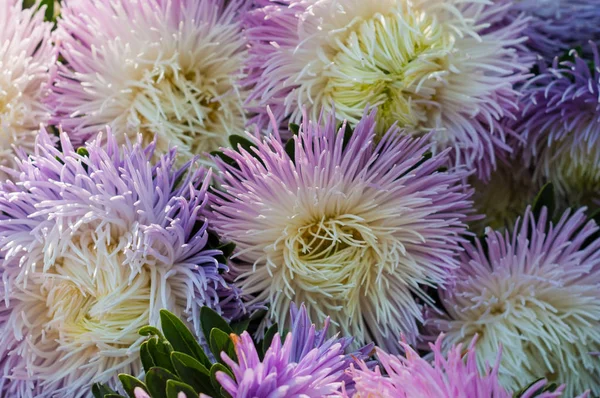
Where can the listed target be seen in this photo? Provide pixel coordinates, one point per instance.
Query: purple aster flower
(93, 243)
(558, 25)
(318, 374)
(353, 226)
(425, 64)
(561, 123)
(535, 293)
(166, 68)
(452, 376)
(308, 363)
(26, 56)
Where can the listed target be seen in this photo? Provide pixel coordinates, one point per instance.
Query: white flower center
(398, 62)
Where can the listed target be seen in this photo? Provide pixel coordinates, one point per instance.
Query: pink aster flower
(443, 65)
(93, 243)
(533, 291)
(454, 375)
(353, 226)
(165, 68)
(26, 56)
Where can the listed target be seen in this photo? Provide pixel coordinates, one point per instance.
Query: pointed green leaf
(237, 142)
(146, 357)
(181, 338)
(209, 319)
(226, 159)
(290, 149)
(156, 382)
(83, 152)
(161, 353)
(221, 342)
(176, 387)
(240, 326)
(130, 383)
(193, 373)
(294, 128)
(150, 331)
(99, 390)
(218, 367)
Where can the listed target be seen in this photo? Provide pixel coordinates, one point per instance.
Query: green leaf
(49, 15)
(269, 334)
(290, 149)
(237, 142)
(240, 326)
(218, 367)
(209, 319)
(161, 353)
(193, 373)
(130, 383)
(156, 381)
(150, 331)
(227, 249)
(83, 152)
(181, 338)
(226, 159)
(221, 342)
(294, 128)
(146, 357)
(544, 198)
(176, 387)
(99, 390)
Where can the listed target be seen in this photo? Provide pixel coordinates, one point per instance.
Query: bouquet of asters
(299, 198)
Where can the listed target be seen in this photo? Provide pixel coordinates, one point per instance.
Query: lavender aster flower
(535, 292)
(351, 227)
(317, 374)
(165, 68)
(26, 57)
(558, 25)
(561, 122)
(426, 64)
(308, 363)
(92, 245)
(448, 376)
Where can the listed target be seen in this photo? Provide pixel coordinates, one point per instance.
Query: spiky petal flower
(535, 292)
(165, 68)
(426, 64)
(349, 226)
(451, 376)
(308, 363)
(92, 245)
(318, 373)
(558, 25)
(26, 57)
(561, 123)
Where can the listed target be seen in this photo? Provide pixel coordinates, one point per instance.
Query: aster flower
(350, 227)
(534, 292)
(317, 374)
(165, 68)
(558, 25)
(452, 376)
(308, 363)
(426, 64)
(561, 123)
(93, 243)
(26, 57)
